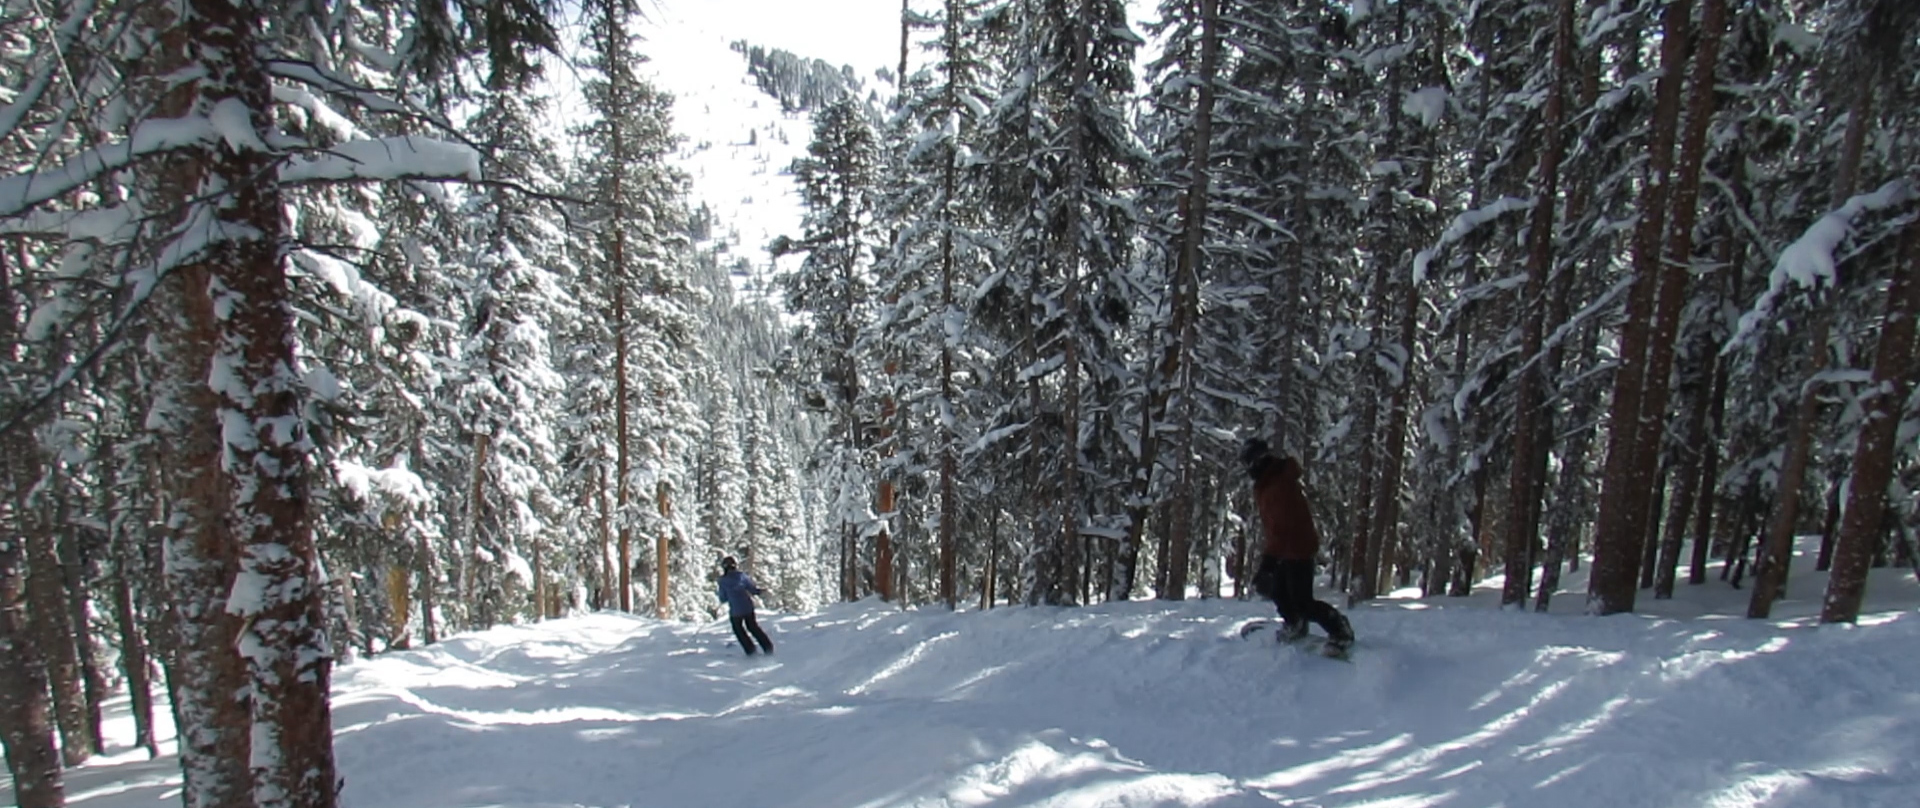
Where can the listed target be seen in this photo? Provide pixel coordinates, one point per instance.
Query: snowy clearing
(1449, 703)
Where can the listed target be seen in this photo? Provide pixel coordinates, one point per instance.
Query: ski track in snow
(1124, 704)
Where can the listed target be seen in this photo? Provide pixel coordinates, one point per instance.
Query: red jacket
(1284, 515)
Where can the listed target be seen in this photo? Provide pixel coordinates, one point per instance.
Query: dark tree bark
(134, 662)
(51, 618)
(1530, 390)
(1717, 429)
(1186, 309)
(1693, 444)
(1830, 521)
(1628, 476)
(1677, 272)
(25, 711)
(1775, 554)
(26, 726)
(1873, 456)
(78, 562)
(279, 593)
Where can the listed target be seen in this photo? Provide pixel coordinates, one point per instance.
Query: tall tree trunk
(124, 565)
(1716, 435)
(662, 552)
(1677, 271)
(949, 504)
(209, 683)
(26, 727)
(48, 612)
(25, 724)
(618, 73)
(1620, 526)
(1873, 456)
(476, 534)
(134, 661)
(1693, 444)
(1186, 285)
(1069, 557)
(279, 594)
(1531, 386)
(81, 568)
(1776, 552)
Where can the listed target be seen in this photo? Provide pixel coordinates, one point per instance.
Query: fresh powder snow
(1448, 702)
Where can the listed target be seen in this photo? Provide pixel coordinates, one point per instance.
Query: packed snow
(1448, 702)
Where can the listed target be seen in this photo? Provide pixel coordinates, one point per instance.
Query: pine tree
(834, 286)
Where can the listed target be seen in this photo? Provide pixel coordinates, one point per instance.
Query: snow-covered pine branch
(1809, 263)
(387, 158)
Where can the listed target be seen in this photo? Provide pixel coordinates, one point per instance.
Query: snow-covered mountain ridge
(737, 141)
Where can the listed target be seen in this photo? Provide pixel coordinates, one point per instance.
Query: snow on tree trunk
(242, 571)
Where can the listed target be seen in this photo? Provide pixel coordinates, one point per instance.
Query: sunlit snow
(1449, 702)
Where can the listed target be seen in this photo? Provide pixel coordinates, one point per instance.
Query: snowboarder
(737, 591)
(1289, 550)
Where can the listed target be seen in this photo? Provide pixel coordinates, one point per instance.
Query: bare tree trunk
(1873, 456)
(48, 613)
(1715, 437)
(1675, 277)
(662, 594)
(1185, 301)
(1530, 395)
(619, 72)
(81, 569)
(1776, 553)
(949, 503)
(26, 725)
(1689, 494)
(1620, 526)
(134, 661)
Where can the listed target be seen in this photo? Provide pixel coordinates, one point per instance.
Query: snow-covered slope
(738, 143)
(1449, 703)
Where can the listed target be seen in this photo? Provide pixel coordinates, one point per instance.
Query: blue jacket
(737, 591)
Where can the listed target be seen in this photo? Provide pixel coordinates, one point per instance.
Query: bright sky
(862, 33)
(736, 143)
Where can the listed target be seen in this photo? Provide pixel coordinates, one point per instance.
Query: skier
(1291, 545)
(737, 591)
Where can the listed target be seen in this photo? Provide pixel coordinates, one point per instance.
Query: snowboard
(1310, 644)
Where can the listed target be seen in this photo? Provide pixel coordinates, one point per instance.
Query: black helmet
(729, 564)
(1252, 451)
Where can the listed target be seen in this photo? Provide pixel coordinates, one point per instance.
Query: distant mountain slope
(740, 137)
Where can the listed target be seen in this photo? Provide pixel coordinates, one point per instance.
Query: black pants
(743, 623)
(1289, 584)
